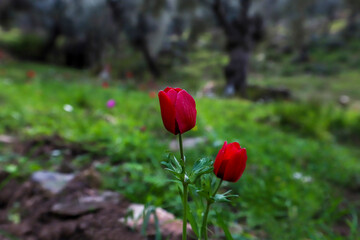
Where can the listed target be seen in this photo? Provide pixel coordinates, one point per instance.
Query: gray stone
(6, 139)
(85, 204)
(170, 227)
(52, 181)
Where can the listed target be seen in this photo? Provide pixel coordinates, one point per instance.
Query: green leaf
(203, 193)
(201, 167)
(157, 226)
(223, 226)
(128, 214)
(148, 210)
(177, 164)
(175, 181)
(11, 168)
(201, 164)
(177, 175)
(146, 218)
(174, 169)
(192, 221)
(166, 164)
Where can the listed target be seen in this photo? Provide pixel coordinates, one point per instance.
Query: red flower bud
(105, 85)
(178, 110)
(230, 162)
(30, 74)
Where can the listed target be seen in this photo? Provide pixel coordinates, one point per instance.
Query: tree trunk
(50, 42)
(236, 72)
(139, 41)
(241, 34)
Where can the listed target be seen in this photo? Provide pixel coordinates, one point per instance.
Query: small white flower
(68, 108)
(297, 175)
(218, 143)
(301, 177)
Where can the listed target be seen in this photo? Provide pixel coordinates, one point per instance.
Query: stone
(344, 100)
(170, 227)
(52, 181)
(85, 204)
(7, 139)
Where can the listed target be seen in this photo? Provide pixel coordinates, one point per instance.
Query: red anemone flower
(30, 74)
(230, 162)
(178, 110)
(105, 85)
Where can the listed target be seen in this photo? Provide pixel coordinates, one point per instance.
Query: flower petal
(178, 89)
(231, 149)
(219, 158)
(222, 169)
(236, 166)
(172, 94)
(185, 109)
(167, 89)
(167, 112)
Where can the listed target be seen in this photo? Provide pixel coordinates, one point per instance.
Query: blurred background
(78, 106)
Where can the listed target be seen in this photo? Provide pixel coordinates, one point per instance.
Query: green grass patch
(298, 175)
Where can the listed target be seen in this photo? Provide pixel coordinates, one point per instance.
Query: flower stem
(185, 189)
(181, 151)
(204, 223)
(185, 186)
(217, 189)
(205, 218)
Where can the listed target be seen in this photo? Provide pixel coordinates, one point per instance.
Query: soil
(26, 213)
(27, 209)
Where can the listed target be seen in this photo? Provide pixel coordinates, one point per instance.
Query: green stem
(205, 218)
(204, 223)
(217, 189)
(185, 189)
(181, 151)
(185, 186)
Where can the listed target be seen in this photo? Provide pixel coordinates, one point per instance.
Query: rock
(85, 204)
(344, 100)
(187, 143)
(7, 139)
(170, 227)
(52, 181)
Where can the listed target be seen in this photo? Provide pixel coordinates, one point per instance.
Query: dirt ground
(80, 211)
(27, 213)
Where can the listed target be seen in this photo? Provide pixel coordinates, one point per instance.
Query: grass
(301, 168)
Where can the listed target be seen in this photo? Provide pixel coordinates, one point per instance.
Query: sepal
(224, 197)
